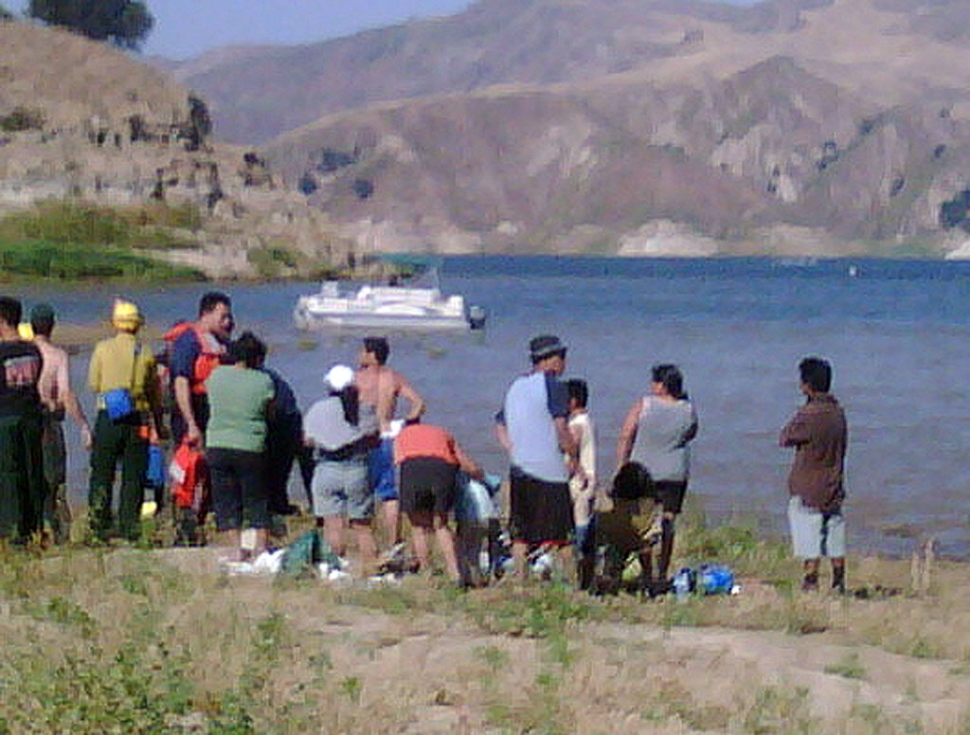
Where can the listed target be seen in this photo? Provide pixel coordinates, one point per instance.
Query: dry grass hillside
(786, 127)
(89, 126)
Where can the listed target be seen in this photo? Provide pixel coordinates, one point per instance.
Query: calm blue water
(896, 333)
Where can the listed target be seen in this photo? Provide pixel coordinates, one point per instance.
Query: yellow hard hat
(126, 315)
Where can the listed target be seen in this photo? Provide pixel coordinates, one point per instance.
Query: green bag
(304, 554)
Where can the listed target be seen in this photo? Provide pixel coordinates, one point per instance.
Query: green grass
(76, 241)
(62, 261)
(849, 666)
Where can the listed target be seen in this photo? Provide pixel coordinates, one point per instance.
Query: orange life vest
(207, 361)
(189, 474)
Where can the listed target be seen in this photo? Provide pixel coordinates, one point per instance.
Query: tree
(125, 23)
(5, 14)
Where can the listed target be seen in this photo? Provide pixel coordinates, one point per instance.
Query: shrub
(21, 119)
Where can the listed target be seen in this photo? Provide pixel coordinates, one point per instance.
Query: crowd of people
(237, 431)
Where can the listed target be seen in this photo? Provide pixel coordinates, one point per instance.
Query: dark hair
(578, 391)
(350, 400)
(42, 320)
(248, 349)
(378, 347)
(816, 373)
(632, 482)
(671, 378)
(10, 310)
(211, 299)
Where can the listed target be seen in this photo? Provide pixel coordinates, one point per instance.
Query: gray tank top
(663, 433)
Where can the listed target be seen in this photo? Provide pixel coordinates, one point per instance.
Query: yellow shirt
(111, 368)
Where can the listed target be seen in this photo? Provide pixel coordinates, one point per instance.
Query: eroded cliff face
(744, 161)
(84, 122)
(842, 121)
(612, 126)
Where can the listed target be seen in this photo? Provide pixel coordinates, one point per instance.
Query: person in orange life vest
(429, 459)
(199, 349)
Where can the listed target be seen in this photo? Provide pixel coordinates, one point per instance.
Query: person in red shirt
(429, 459)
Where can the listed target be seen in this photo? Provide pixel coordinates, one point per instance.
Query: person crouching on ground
(342, 437)
(123, 375)
(429, 459)
(819, 435)
(240, 403)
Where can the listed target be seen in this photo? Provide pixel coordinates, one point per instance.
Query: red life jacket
(188, 473)
(207, 361)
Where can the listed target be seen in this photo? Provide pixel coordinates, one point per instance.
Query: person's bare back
(54, 386)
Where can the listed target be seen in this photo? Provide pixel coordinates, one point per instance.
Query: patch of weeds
(21, 119)
(390, 600)
(320, 662)
(64, 612)
(537, 613)
(778, 710)
(273, 261)
(229, 715)
(872, 717)
(494, 657)
(682, 613)
(559, 651)
(134, 585)
(802, 615)
(86, 689)
(919, 646)
(351, 687)
(848, 666)
(269, 638)
(672, 699)
(541, 713)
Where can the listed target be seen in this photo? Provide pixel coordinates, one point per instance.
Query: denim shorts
(381, 470)
(341, 489)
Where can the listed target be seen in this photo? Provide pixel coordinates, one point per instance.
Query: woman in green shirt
(240, 401)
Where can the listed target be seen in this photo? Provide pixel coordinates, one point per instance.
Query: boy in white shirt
(582, 485)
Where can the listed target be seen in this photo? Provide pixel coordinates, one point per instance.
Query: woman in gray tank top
(656, 434)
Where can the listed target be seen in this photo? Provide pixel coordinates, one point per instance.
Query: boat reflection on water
(406, 302)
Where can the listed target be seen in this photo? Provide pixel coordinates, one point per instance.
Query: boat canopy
(419, 270)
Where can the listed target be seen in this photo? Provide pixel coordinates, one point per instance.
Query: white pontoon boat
(419, 304)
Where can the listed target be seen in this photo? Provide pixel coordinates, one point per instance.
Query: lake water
(896, 332)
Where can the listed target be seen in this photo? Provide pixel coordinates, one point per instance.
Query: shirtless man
(57, 398)
(379, 388)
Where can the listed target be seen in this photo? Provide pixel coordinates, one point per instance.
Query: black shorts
(239, 497)
(427, 485)
(541, 512)
(671, 494)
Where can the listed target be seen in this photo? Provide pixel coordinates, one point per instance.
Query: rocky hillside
(85, 122)
(624, 126)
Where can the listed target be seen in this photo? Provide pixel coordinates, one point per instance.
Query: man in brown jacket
(819, 435)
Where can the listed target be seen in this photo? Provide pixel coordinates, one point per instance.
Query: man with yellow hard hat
(122, 375)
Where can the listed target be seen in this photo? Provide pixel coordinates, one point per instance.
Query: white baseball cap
(339, 377)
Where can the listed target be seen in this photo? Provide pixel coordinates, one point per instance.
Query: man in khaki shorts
(819, 436)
